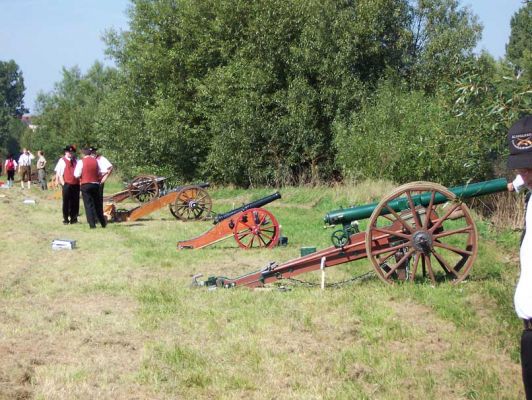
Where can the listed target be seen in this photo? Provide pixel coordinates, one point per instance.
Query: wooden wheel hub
(422, 241)
(191, 203)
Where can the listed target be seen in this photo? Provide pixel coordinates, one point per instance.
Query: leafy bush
(406, 136)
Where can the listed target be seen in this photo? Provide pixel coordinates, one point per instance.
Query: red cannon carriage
(250, 225)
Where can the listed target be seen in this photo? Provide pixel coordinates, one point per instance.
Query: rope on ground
(335, 284)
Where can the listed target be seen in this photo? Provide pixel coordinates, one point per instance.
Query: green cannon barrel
(347, 215)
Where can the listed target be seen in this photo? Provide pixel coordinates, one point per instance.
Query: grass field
(116, 318)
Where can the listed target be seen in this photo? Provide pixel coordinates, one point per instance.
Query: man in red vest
(89, 171)
(64, 176)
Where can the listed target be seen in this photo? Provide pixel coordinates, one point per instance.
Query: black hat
(520, 143)
(70, 148)
(86, 150)
(93, 149)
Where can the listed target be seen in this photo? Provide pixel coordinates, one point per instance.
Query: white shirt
(60, 166)
(523, 291)
(105, 164)
(25, 159)
(79, 169)
(518, 183)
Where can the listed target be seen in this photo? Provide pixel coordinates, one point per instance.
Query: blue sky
(42, 36)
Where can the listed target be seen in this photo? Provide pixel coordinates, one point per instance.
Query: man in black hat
(64, 176)
(520, 160)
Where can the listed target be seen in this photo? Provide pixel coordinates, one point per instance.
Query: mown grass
(116, 318)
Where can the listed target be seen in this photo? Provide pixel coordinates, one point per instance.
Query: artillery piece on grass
(250, 225)
(421, 230)
(142, 188)
(186, 203)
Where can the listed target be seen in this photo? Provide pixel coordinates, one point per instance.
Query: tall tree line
(286, 92)
(11, 106)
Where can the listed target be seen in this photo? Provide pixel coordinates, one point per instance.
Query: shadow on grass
(132, 225)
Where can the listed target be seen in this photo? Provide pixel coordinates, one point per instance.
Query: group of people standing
(24, 169)
(86, 175)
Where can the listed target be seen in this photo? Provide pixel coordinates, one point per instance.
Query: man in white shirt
(520, 160)
(64, 176)
(106, 166)
(89, 171)
(24, 167)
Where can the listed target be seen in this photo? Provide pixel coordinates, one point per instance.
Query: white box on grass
(63, 244)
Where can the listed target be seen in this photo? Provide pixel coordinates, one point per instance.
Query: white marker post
(322, 267)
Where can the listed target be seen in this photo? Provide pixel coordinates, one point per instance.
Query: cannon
(191, 202)
(142, 188)
(420, 231)
(250, 225)
(186, 203)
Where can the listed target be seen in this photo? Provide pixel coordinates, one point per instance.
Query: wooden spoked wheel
(433, 237)
(192, 203)
(256, 227)
(143, 188)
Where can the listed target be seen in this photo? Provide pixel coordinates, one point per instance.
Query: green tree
(456, 134)
(405, 136)
(519, 47)
(68, 114)
(489, 97)
(153, 113)
(11, 100)
(443, 38)
(246, 92)
(250, 92)
(12, 88)
(302, 68)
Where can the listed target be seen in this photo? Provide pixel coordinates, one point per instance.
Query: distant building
(26, 120)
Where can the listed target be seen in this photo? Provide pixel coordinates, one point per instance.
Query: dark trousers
(41, 174)
(93, 204)
(101, 194)
(100, 199)
(70, 202)
(526, 362)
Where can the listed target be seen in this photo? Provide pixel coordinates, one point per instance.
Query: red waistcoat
(89, 173)
(68, 175)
